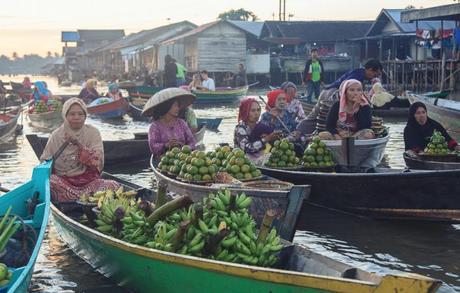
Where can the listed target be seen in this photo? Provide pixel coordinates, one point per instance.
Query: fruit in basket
(317, 155)
(239, 166)
(283, 155)
(437, 145)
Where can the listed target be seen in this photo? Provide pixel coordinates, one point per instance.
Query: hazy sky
(34, 26)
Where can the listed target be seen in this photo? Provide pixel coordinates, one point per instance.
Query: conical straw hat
(185, 99)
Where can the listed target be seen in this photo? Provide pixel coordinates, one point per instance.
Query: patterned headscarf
(343, 98)
(40, 91)
(245, 109)
(272, 96)
(287, 84)
(91, 83)
(113, 87)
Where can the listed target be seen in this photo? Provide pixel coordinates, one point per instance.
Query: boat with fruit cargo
(141, 268)
(446, 112)
(420, 163)
(381, 192)
(48, 120)
(109, 110)
(27, 208)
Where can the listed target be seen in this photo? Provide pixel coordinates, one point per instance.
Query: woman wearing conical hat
(167, 130)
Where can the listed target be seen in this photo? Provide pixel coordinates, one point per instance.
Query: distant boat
(111, 110)
(30, 201)
(48, 120)
(8, 124)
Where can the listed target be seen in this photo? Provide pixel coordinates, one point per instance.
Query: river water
(380, 246)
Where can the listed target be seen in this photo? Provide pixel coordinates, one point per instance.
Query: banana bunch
(98, 197)
(136, 229)
(163, 237)
(113, 210)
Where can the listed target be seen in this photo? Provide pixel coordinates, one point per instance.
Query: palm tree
(240, 14)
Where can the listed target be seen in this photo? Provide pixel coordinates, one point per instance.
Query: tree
(240, 14)
(15, 55)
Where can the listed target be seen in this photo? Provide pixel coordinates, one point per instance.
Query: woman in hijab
(277, 110)
(89, 92)
(420, 128)
(351, 115)
(249, 135)
(114, 92)
(41, 92)
(295, 106)
(78, 169)
(167, 130)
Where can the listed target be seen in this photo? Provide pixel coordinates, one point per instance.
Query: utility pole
(282, 10)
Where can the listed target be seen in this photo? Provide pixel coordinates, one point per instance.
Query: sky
(34, 26)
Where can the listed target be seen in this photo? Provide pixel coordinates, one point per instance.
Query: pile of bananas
(112, 210)
(135, 227)
(219, 228)
(98, 197)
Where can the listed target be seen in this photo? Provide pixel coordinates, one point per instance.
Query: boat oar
(279, 119)
(253, 84)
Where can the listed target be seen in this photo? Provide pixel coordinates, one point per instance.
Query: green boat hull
(147, 270)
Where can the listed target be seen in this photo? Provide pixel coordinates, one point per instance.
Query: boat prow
(33, 196)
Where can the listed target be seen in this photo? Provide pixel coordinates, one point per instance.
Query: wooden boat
(266, 193)
(382, 192)
(116, 152)
(418, 164)
(8, 124)
(111, 110)
(143, 269)
(437, 94)
(220, 95)
(30, 201)
(362, 153)
(211, 123)
(48, 120)
(142, 91)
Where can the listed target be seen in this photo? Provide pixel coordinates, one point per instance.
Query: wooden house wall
(218, 49)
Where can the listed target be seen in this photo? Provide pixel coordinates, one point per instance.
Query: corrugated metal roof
(394, 15)
(315, 31)
(198, 30)
(99, 35)
(252, 27)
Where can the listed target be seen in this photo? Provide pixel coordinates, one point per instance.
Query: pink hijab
(343, 99)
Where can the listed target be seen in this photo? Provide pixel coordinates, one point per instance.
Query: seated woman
(277, 110)
(40, 92)
(167, 130)
(295, 106)
(78, 169)
(89, 92)
(195, 83)
(114, 92)
(420, 128)
(244, 135)
(26, 83)
(351, 115)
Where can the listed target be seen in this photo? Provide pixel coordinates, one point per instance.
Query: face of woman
(420, 116)
(254, 113)
(291, 92)
(281, 102)
(76, 117)
(174, 111)
(354, 93)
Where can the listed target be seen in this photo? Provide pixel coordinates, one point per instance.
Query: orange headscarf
(343, 98)
(272, 96)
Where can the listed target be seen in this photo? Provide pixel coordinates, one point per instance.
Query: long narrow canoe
(21, 199)
(419, 164)
(142, 91)
(48, 120)
(220, 95)
(286, 199)
(383, 192)
(111, 110)
(445, 112)
(8, 124)
(144, 269)
(211, 123)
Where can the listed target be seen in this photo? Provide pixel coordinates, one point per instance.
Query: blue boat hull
(39, 184)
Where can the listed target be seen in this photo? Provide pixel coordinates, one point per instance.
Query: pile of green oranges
(199, 166)
(317, 155)
(283, 155)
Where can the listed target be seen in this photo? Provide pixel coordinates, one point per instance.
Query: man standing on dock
(313, 75)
